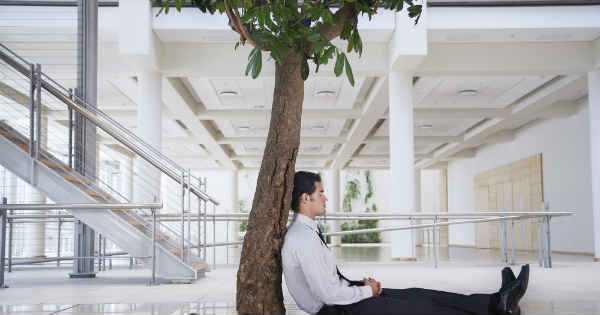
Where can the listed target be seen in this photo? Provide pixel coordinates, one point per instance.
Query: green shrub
(372, 237)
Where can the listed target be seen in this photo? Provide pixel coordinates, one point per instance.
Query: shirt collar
(312, 224)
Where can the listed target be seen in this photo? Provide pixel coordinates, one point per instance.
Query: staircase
(130, 229)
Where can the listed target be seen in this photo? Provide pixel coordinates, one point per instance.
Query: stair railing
(39, 82)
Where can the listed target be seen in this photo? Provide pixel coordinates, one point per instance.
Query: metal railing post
(182, 214)
(153, 282)
(71, 130)
(10, 242)
(99, 252)
(548, 247)
(32, 86)
(3, 243)
(198, 226)
(512, 231)
(59, 229)
(541, 259)
(189, 209)
(214, 236)
(205, 221)
(435, 248)
(503, 236)
(38, 104)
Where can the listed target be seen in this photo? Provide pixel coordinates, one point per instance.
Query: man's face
(317, 200)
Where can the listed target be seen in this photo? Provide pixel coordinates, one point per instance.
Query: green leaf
(258, 64)
(349, 71)
(314, 37)
(236, 46)
(178, 5)
(339, 64)
(304, 70)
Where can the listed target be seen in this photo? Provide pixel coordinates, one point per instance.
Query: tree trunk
(259, 275)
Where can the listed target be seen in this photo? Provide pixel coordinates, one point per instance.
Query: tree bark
(259, 276)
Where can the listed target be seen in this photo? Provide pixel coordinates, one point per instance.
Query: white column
(149, 128)
(594, 112)
(34, 243)
(418, 190)
(331, 184)
(417, 234)
(402, 168)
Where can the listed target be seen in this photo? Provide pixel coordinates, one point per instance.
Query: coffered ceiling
(213, 119)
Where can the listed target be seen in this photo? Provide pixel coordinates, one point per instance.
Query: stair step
(9, 135)
(76, 180)
(50, 164)
(23, 147)
(138, 223)
(159, 237)
(177, 252)
(199, 266)
(96, 195)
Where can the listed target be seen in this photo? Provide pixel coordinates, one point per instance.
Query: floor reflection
(571, 307)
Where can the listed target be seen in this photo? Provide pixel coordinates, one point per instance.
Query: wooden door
(513, 187)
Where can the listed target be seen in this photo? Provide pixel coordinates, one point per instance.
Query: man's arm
(325, 284)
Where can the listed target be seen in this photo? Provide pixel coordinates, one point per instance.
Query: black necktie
(352, 283)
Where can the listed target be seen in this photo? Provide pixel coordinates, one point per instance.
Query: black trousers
(416, 301)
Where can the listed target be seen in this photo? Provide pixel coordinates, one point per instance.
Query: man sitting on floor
(318, 287)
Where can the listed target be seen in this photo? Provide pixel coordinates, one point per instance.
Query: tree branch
(330, 30)
(236, 22)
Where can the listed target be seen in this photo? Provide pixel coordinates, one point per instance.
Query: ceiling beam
(371, 113)
(418, 139)
(460, 113)
(512, 58)
(303, 157)
(262, 140)
(180, 104)
(242, 114)
(521, 113)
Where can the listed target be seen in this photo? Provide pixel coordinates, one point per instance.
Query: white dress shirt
(309, 268)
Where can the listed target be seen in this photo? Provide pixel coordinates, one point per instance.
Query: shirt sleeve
(325, 284)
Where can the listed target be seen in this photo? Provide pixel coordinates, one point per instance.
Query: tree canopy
(307, 27)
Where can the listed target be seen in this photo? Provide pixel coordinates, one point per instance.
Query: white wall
(564, 144)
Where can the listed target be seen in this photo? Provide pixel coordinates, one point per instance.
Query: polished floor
(570, 288)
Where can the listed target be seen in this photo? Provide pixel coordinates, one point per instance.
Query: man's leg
(381, 305)
(480, 304)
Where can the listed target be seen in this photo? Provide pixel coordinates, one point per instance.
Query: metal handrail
(411, 215)
(80, 206)
(108, 125)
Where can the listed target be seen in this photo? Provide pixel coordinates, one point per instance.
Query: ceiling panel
(305, 149)
(473, 91)
(253, 128)
(433, 127)
(247, 93)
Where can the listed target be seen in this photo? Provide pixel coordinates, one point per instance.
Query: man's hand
(375, 286)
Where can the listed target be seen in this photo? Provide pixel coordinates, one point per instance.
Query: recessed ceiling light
(318, 128)
(425, 126)
(325, 93)
(243, 128)
(259, 106)
(228, 93)
(467, 92)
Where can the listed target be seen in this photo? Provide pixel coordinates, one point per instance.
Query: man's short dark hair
(304, 182)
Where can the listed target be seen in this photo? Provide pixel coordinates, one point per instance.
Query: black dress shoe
(507, 276)
(511, 294)
(524, 276)
(507, 294)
